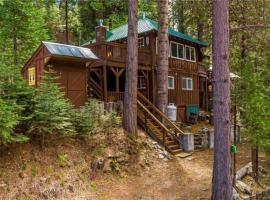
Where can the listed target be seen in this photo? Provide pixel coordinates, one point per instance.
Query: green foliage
(85, 119)
(21, 30)
(15, 98)
(91, 119)
(62, 160)
(51, 109)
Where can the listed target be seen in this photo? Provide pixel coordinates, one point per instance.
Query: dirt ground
(63, 170)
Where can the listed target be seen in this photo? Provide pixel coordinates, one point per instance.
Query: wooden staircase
(95, 89)
(158, 125)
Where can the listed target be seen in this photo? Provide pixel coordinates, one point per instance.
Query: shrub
(91, 119)
(51, 111)
(86, 118)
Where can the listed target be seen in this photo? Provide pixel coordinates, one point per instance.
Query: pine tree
(163, 53)
(21, 30)
(15, 98)
(221, 183)
(51, 109)
(130, 102)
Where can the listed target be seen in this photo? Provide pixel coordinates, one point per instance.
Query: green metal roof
(146, 25)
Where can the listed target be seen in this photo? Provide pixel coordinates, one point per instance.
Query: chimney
(100, 32)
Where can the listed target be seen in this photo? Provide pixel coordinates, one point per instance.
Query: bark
(222, 181)
(163, 53)
(66, 16)
(130, 102)
(15, 43)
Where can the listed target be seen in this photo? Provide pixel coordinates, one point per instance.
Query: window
(190, 53)
(174, 50)
(170, 82)
(141, 42)
(31, 76)
(187, 84)
(141, 82)
(177, 50)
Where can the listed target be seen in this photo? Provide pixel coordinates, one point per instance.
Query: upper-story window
(141, 43)
(190, 53)
(181, 51)
(177, 50)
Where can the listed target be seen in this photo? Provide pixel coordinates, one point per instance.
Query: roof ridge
(61, 44)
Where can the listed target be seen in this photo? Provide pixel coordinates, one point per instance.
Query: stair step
(173, 147)
(176, 151)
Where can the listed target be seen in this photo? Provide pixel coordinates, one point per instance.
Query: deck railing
(118, 52)
(115, 96)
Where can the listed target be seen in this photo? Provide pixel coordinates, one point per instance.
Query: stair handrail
(94, 83)
(152, 116)
(160, 113)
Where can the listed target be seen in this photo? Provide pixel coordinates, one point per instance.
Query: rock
(190, 158)
(184, 155)
(22, 175)
(243, 187)
(2, 185)
(161, 156)
(235, 194)
(71, 188)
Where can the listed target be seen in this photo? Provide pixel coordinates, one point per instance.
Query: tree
(222, 183)
(21, 30)
(130, 102)
(51, 110)
(15, 102)
(163, 53)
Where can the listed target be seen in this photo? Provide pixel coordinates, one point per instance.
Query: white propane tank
(172, 111)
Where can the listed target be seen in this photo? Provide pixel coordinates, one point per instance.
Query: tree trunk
(222, 181)
(163, 53)
(66, 16)
(130, 102)
(15, 43)
(255, 163)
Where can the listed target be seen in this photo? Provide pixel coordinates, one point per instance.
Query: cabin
(187, 80)
(97, 69)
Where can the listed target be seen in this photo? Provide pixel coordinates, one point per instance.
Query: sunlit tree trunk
(222, 181)
(163, 53)
(130, 102)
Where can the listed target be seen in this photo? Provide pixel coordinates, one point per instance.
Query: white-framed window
(141, 82)
(187, 83)
(177, 50)
(190, 53)
(170, 82)
(141, 42)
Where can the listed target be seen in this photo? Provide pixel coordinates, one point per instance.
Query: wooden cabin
(187, 80)
(98, 70)
(69, 62)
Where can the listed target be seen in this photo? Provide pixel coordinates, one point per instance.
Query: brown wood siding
(72, 80)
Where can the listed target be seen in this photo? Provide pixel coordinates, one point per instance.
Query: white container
(172, 112)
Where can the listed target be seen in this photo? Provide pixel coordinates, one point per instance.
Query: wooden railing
(115, 96)
(174, 131)
(118, 52)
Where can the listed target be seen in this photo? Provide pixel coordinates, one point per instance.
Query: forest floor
(100, 168)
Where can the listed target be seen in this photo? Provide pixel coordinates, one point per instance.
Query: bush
(51, 110)
(91, 119)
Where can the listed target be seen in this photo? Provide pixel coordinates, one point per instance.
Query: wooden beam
(105, 92)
